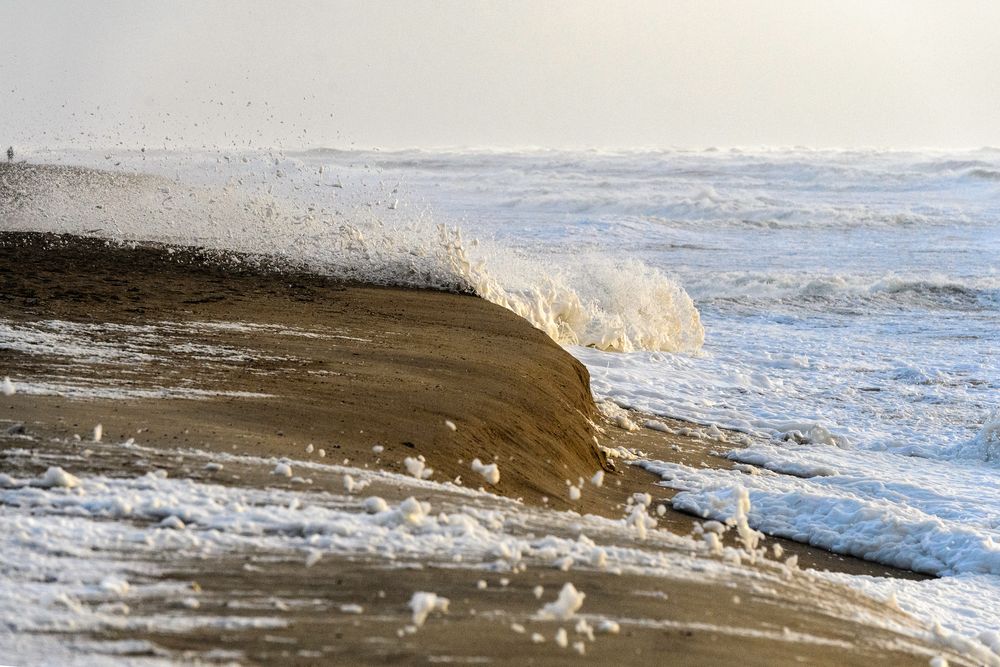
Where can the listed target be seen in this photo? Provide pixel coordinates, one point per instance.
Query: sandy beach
(208, 367)
(536, 333)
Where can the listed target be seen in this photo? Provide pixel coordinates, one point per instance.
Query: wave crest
(887, 290)
(593, 302)
(621, 307)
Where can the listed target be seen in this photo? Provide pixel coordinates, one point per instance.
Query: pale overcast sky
(561, 74)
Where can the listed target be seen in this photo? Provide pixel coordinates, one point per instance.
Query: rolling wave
(887, 290)
(267, 209)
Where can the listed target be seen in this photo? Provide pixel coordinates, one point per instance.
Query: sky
(580, 74)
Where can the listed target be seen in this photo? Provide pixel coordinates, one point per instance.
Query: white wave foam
(985, 446)
(356, 235)
(623, 307)
(756, 189)
(96, 550)
(890, 289)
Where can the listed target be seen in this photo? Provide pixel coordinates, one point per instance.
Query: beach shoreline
(224, 358)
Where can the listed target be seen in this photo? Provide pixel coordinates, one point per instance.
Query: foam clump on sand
(807, 433)
(638, 516)
(713, 543)
(657, 425)
(351, 485)
(7, 387)
(422, 604)
(749, 537)
(617, 415)
(568, 603)
(375, 504)
(490, 472)
(56, 477)
(417, 467)
(626, 424)
(413, 512)
(282, 469)
(712, 531)
(608, 627)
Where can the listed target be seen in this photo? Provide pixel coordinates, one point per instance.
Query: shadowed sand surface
(240, 358)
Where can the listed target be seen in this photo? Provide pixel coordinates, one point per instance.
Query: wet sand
(343, 368)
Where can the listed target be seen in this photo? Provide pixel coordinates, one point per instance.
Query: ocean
(836, 313)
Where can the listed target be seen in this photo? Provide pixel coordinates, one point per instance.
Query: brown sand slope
(406, 361)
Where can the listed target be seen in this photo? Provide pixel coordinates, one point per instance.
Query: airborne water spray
(287, 215)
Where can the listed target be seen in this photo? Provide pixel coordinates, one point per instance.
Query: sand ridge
(399, 365)
(373, 376)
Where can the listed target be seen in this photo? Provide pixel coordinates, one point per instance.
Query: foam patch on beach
(292, 215)
(91, 389)
(92, 361)
(877, 506)
(89, 548)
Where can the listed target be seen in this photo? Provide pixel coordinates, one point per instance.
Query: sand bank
(180, 349)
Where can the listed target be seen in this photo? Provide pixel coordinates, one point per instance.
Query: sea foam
(285, 216)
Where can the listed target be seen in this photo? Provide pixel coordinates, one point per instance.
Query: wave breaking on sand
(270, 211)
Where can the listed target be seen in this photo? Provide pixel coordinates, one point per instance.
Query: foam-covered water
(841, 307)
(851, 304)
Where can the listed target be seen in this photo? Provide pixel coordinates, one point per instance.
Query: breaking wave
(357, 232)
(778, 189)
(984, 174)
(886, 290)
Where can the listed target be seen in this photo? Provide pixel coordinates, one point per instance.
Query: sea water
(850, 302)
(839, 309)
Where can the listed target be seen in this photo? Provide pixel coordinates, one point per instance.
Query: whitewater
(838, 310)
